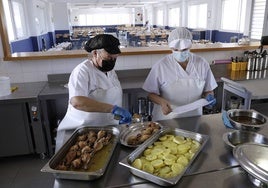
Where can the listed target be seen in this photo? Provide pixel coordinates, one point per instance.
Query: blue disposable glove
(125, 116)
(210, 98)
(226, 121)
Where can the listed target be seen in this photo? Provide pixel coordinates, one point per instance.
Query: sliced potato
(158, 163)
(148, 167)
(151, 157)
(157, 151)
(179, 139)
(147, 152)
(182, 149)
(170, 157)
(182, 160)
(164, 170)
(188, 155)
(162, 138)
(177, 168)
(158, 143)
(170, 137)
(137, 163)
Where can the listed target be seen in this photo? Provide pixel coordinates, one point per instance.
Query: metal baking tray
(127, 161)
(134, 129)
(80, 175)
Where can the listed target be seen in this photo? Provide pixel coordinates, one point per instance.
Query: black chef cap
(105, 41)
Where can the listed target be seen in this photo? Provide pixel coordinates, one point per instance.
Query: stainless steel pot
(253, 159)
(246, 119)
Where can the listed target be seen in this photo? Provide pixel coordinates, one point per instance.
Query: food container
(237, 137)
(135, 129)
(253, 159)
(83, 174)
(4, 86)
(246, 119)
(127, 161)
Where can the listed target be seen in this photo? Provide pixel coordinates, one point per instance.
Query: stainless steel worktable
(24, 91)
(214, 166)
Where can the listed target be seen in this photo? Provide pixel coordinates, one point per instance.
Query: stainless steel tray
(80, 175)
(134, 129)
(127, 161)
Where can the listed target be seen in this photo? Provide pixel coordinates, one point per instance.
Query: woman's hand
(165, 106)
(123, 114)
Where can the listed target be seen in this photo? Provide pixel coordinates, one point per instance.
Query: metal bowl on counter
(136, 133)
(246, 119)
(237, 137)
(253, 159)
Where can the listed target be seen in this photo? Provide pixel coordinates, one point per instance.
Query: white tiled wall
(33, 71)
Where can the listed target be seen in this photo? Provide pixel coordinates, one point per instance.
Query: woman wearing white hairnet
(179, 78)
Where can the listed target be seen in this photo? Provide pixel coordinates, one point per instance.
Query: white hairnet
(180, 38)
(180, 33)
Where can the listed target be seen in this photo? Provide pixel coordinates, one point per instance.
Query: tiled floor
(24, 172)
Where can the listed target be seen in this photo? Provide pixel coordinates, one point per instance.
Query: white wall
(37, 70)
(60, 16)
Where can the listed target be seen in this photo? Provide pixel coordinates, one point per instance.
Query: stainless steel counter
(24, 91)
(214, 166)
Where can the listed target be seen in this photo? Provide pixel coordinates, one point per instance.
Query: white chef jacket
(167, 71)
(87, 80)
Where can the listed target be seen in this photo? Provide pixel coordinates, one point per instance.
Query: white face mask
(181, 56)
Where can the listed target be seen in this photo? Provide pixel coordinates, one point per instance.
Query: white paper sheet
(191, 106)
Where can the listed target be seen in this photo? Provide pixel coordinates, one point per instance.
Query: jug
(251, 63)
(258, 62)
(142, 106)
(265, 64)
(4, 86)
(149, 109)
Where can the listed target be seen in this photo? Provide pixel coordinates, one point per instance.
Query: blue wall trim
(221, 36)
(35, 43)
(24, 45)
(62, 31)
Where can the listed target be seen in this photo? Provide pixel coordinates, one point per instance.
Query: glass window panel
(197, 16)
(15, 19)
(82, 19)
(257, 19)
(233, 15)
(19, 19)
(174, 17)
(160, 17)
(10, 30)
(104, 19)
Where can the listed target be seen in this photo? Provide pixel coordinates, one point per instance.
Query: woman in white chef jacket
(95, 93)
(179, 78)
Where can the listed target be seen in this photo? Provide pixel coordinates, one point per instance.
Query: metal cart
(247, 90)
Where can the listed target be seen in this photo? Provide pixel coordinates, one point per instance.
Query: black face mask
(107, 65)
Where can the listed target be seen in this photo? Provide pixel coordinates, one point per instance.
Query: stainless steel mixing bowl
(237, 137)
(246, 119)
